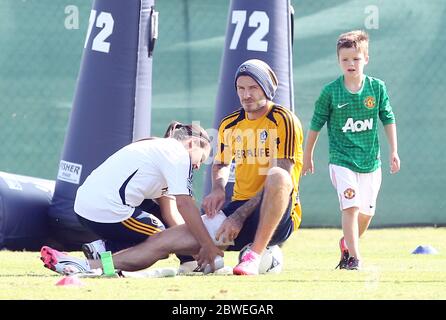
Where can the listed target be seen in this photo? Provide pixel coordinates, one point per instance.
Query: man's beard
(253, 106)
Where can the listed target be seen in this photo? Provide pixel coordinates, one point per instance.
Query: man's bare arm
(220, 175)
(215, 200)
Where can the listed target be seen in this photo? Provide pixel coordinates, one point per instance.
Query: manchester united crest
(369, 102)
(349, 193)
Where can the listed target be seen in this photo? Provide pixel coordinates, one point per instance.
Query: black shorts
(145, 221)
(248, 232)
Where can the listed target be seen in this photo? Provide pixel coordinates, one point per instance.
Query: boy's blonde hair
(357, 39)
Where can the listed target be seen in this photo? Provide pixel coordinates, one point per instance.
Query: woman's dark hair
(181, 131)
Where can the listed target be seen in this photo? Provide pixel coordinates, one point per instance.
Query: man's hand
(213, 202)
(229, 230)
(207, 255)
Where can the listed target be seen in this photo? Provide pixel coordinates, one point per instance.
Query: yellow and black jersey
(255, 144)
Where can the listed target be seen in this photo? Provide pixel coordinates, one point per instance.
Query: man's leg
(177, 239)
(275, 201)
(276, 196)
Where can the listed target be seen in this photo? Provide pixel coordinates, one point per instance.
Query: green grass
(390, 272)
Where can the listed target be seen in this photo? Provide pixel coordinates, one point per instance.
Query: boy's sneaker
(62, 263)
(93, 250)
(249, 264)
(353, 264)
(344, 254)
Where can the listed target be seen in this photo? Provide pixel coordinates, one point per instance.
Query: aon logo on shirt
(357, 126)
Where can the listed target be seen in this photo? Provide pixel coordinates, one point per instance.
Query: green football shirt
(352, 122)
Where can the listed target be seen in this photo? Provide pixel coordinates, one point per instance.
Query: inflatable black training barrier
(256, 30)
(24, 203)
(112, 103)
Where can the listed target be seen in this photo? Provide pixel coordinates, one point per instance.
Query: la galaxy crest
(263, 136)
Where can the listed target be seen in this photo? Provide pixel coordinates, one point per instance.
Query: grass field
(390, 272)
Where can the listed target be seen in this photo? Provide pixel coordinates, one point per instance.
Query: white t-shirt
(146, 169)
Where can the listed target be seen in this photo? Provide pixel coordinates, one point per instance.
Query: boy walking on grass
(351, 106)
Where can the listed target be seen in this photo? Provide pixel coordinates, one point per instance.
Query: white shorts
(356, 189)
